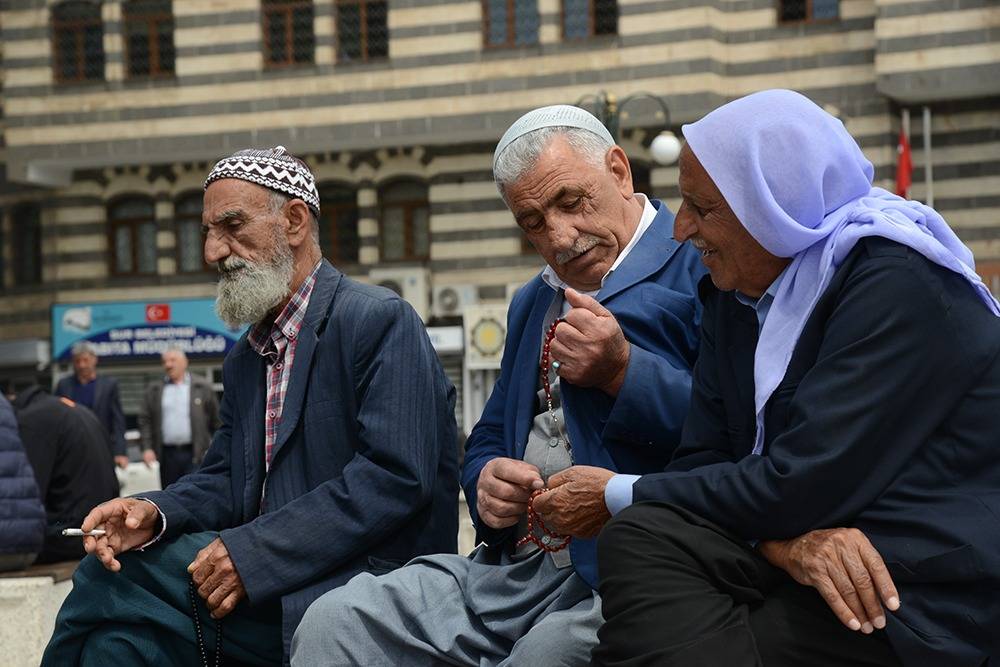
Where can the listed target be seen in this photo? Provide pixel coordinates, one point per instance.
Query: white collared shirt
(175, 404)
(553, 280)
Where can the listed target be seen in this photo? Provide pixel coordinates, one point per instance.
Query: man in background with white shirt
(177, 419)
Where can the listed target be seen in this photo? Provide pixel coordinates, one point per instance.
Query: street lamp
(609, 110)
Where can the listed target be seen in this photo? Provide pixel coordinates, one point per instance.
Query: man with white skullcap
(596, 371)
(336, 454)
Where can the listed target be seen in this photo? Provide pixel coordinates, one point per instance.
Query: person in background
(100, 394)
(177, 419)
(67, 448)
(22, 517)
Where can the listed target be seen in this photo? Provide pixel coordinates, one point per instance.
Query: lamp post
(609, 110)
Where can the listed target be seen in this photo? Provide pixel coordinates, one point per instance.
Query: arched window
(510, 22)
(149, 38)
(187, 224)
(132, 235)
(587, 18)
(404, 221)
(78, 42)
(338, 223)
(289, 38)
(362, 30)
(26, 243)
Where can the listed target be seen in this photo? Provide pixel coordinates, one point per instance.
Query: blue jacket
(107, 407)
(363, 473)
(886, 420)
(22, 516)
(653, 295)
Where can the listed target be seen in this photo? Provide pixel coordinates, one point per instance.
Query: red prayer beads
(545, 364)
(550, 540)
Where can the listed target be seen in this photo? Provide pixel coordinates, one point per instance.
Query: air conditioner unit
(410, 283)
(451, 300)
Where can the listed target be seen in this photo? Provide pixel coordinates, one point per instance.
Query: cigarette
(76, 532)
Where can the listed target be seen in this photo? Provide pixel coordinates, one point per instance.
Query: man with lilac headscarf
(846, 392)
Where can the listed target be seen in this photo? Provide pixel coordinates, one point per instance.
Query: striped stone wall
(933, 50)
(433, 111)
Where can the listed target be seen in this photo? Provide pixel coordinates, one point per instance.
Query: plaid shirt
(276, 343)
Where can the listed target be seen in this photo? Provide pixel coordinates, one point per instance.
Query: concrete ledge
(29, 602)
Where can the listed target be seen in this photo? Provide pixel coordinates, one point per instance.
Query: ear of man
(620, 169)
(299, 222)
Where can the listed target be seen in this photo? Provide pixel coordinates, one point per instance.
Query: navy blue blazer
(653, 296)
(364, 469)
(107, 407)
(886, 420)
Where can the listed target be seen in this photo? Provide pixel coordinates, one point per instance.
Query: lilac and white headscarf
(800, 185)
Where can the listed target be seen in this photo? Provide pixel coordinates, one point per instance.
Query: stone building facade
(114, 111)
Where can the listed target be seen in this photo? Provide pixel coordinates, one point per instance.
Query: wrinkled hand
(503, 490)
(590, 346)
(218, 582)
(845, 568)
(148, 457)
(129, 523)
(574, 504)
(121, 462)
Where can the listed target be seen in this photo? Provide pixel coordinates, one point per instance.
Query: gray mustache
(582, 245)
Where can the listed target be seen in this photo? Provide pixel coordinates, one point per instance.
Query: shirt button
(553, 442)
(271, 414)
(290, 333)
(279, 365)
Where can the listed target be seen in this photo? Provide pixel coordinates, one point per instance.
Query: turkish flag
(158, 312)
(904, 167)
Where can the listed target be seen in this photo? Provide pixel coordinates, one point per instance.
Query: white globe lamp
(666, 147)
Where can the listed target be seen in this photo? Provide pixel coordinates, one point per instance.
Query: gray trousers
(481, 611)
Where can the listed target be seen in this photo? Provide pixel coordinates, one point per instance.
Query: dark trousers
(175, 462)
(142, 616)
(679, 591)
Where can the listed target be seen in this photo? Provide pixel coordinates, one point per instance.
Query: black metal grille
(149, 38)
(362, 30)
(133, 236)
(187, 219)
(808, 10)
(289, 38)
(510, 22)
(404, 221)
(587, 18)
(338, 224)
(77, 42)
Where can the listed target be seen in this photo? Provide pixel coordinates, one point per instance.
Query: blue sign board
(141, 329)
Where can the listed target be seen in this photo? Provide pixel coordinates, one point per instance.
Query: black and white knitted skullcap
(273, 168)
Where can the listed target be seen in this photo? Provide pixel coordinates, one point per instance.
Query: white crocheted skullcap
(273, 168)
(557, 115)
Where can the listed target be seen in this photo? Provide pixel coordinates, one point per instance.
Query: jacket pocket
(960, 564)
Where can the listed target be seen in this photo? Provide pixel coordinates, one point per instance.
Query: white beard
(249, 291)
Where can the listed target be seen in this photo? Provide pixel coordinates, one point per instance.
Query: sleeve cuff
(163, 524)
(618, 492)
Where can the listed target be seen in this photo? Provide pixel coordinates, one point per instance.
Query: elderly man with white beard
(336, 455)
